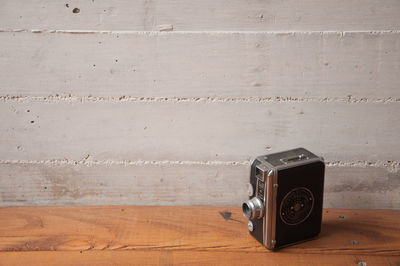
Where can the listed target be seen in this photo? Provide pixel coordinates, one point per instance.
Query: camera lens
(246, 210)
(253, 208)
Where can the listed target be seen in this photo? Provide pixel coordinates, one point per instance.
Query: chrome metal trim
(268, 200)
(293, 159)
(269, 223)
(323, 186)
(299, 163)
(265, 178)
(273, 216)
(268, 210)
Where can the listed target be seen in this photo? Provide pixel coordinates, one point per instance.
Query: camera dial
(297, 206)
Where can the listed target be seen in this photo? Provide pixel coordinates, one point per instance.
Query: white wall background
(166, 102)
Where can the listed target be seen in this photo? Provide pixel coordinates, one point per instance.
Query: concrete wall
(166, 102)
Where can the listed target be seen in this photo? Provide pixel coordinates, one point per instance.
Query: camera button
(250, 190)
(250, 226)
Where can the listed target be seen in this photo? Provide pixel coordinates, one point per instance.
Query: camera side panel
(299, 203)
(257, 232)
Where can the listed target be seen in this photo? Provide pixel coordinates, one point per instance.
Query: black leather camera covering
(311, 177)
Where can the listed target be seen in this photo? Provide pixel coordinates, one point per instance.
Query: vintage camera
(285, 197)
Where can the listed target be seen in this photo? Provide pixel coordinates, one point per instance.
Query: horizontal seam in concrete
(217, 32)
(392, 166)
(120, 99)
(87, 162)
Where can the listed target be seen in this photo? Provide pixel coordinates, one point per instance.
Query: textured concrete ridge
(124, 98)
(391, 166)
(168, 29)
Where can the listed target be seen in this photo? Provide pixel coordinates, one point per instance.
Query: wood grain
(202, 15)
(186, 234)
(134, 257)
(167, 184)
(230, 65)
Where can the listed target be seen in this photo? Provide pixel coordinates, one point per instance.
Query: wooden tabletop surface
(116, 235)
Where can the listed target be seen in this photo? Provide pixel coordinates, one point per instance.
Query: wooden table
(186, 235)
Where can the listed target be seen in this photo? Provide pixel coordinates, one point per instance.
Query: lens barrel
(253, 208)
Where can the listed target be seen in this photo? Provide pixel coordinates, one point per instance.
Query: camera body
(285, 197)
